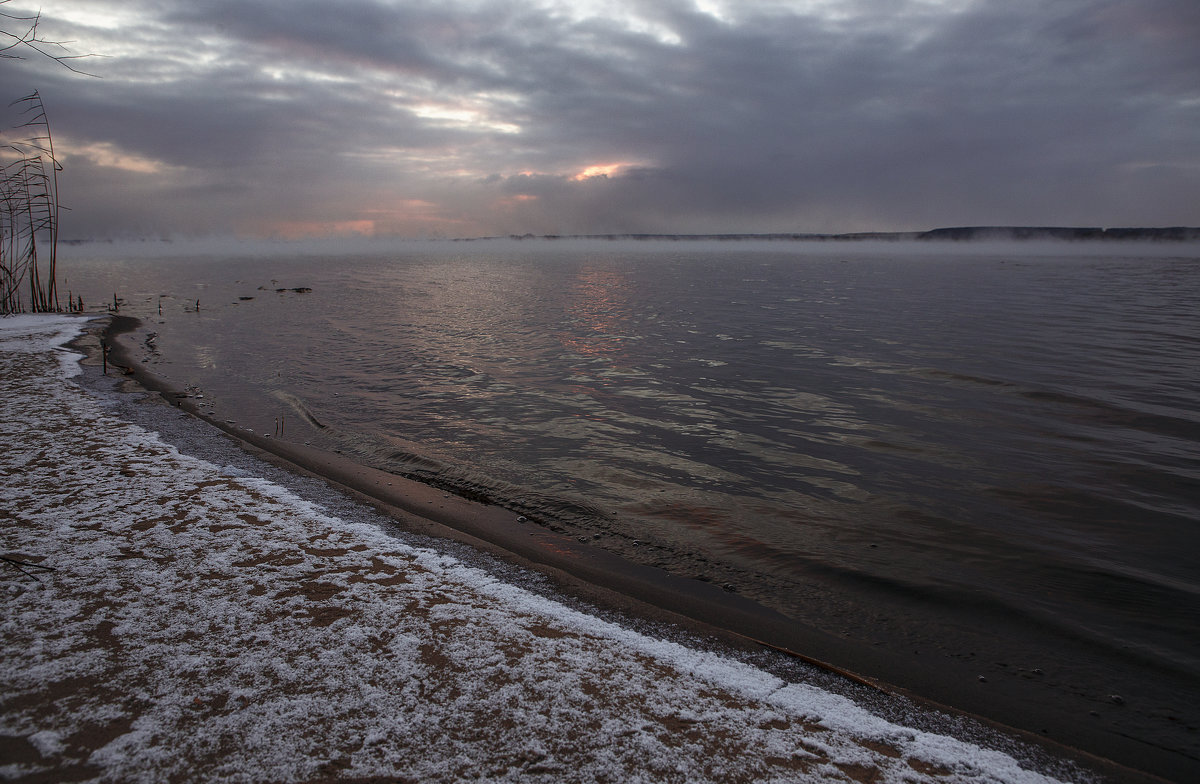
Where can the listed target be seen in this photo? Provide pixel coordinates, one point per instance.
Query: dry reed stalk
(29, 209)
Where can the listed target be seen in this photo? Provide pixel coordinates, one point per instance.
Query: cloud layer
(472, 117)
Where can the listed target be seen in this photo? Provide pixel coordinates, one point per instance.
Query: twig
(30, 38)
(19, 564)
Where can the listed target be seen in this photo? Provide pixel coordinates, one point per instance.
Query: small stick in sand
(20, 564)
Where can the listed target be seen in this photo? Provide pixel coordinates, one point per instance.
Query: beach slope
(166, 618)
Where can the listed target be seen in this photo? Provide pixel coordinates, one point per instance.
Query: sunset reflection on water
(598, 309)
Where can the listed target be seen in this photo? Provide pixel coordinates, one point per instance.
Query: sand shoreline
(593, 574)
(196, 621)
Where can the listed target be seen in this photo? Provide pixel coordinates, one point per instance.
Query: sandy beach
(172, 618)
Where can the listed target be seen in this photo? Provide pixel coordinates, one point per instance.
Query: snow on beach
(199, 623)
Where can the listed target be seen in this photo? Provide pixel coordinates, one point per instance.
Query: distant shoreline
(962, 234)
(951, 234)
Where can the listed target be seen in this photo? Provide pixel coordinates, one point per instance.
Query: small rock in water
(522, 519)
(1116, 699)
(982, 679)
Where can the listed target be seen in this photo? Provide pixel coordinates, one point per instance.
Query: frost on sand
(199, 625)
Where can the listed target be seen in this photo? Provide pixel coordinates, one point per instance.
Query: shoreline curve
(589, 573)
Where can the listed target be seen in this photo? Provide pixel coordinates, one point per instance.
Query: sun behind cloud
(602, 170)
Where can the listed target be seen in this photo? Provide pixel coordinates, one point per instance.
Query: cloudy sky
(453, 118)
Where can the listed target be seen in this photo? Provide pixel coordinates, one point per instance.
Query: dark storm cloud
(476, 117)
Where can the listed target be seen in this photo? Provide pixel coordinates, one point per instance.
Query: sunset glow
(620, 115)
(601, 170)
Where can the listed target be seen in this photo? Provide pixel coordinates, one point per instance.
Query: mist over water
(986, 460)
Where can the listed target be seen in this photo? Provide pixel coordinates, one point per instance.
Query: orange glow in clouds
(601, 170)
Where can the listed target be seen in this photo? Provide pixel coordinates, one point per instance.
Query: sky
(466, 118)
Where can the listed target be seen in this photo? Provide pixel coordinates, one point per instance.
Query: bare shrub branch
(20, 35)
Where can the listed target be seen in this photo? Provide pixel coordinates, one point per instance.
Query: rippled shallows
(983, 460)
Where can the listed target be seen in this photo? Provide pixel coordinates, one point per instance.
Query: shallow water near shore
(980, 469)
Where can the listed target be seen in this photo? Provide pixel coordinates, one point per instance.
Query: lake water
(978, 466)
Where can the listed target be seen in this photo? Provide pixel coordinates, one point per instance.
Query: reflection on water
(901, 449)
(596, 312)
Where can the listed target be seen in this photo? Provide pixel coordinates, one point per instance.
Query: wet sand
(608, 581)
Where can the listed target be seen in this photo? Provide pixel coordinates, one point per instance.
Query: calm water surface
(986, 460)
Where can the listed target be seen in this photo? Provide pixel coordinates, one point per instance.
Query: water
(966, 465)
